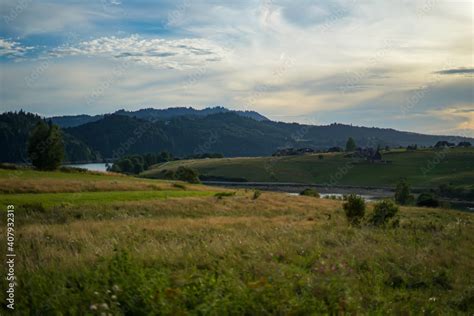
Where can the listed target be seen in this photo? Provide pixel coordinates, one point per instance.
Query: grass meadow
(92, 244)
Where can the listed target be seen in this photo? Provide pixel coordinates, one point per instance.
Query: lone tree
(350, 145)
(402, 193)
(45, 146)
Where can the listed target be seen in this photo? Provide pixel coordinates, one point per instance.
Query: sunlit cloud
(156, 52)
(12, 49)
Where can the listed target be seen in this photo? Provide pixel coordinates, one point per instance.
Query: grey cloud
(456, 71)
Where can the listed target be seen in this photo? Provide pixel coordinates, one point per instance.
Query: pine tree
(351, 145)
(45, 146)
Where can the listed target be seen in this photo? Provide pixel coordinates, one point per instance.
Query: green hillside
(422, 168)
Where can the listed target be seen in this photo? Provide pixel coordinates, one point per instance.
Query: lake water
(339, 196)
(90, 166)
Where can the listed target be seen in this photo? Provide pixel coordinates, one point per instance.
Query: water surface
(90, 166)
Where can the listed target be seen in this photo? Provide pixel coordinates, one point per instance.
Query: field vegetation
(125, 247)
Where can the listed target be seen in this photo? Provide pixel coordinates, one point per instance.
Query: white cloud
(156, 52)
(12, 48)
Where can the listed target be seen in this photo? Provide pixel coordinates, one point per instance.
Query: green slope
(422, 168)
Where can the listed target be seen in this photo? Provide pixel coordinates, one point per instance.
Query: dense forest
(15, 129)
(227, 133)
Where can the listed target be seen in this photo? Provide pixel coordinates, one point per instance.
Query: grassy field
(422, 168)
(31, 181)
(122, 248)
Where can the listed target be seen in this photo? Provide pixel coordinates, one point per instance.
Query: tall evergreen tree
(45, 146)
(350, 145)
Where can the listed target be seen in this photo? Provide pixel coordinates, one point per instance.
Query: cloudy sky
(404, 64)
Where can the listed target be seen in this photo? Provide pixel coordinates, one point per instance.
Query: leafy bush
(182, 174)
(402, 193)
(427, 199)
(256, 194)
(354, 208)
(383, 212)
(186, 174)
(310, 192)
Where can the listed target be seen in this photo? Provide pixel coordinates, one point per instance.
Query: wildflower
(93, 307)
(104, 306)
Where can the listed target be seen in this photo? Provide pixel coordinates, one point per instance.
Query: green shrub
(186, 174)
(256, 194)
(354, 207)
(383, 212)
(310, 192)
(427, 199)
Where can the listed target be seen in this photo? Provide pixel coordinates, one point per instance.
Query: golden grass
(53, 185)
(277, 245)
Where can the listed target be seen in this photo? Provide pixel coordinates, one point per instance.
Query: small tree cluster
(182, 173)
(310, 192)
(138, 163)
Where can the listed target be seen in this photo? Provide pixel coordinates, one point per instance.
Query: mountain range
(186, 131)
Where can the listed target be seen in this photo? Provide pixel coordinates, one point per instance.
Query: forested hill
(231, 135)
(228, 133)
(15, 128)
(152, 114)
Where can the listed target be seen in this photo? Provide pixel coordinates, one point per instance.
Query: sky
(403, 64)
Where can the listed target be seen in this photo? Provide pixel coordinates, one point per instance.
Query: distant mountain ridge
(186, 131)
(232, 135)
(153, 114)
